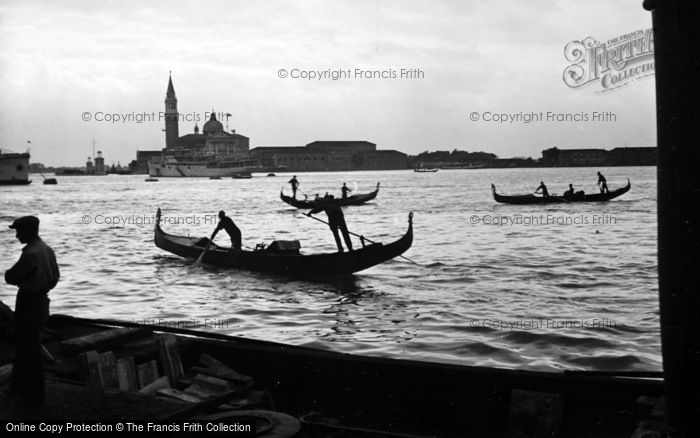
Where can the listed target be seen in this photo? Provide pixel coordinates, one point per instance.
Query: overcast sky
(61, 59)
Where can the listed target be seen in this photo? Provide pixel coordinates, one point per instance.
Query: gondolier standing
(345, 190)
(336, 220)
(545, 193)
(602, 183)
(35, 274)
(295, 184)
(226, 223)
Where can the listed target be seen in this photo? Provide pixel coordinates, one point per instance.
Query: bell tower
(171, 117)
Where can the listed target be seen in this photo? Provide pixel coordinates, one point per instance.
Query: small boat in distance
(242, 176)
(532, 199)
(284, 257)
(151, 180)
(358, 199)
(425, 170)
(50, 181)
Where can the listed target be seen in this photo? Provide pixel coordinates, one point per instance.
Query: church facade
(212, 141)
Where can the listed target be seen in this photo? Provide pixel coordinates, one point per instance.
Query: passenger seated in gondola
(226, 223)
(336, 220)
(545, 193)
(569, 194)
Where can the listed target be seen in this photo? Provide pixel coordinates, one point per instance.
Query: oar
(361, 237)
(201, 256)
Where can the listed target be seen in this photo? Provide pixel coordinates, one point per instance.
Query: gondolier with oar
(226, 223)
(295, 184)
(603, 183)
(345, 190)
(543, 188)
(336, 220)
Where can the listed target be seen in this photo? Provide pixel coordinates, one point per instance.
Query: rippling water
(568, 286)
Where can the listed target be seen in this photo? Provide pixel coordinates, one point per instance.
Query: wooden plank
(104, 340)
(126, 374)
(202, 406)
(108, 367)
(147, 372)
(216, 368)
(179, 395)
(90, 370)
(212, 383)
(151, 388)
(170, 357)
(5, 372)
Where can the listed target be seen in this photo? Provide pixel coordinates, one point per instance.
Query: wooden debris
(179, 395)
(147, 372)
(158, 384)
(126, 374)
(214, 367)
(90, 370)
(211, 383)
(170, 357)
(5, 372)
(103, 341)
(108, 367)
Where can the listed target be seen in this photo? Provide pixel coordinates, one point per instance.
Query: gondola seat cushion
(284, 247)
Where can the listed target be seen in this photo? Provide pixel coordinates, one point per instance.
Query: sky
(67, 67)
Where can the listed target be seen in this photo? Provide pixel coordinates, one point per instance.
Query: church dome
(212, 126)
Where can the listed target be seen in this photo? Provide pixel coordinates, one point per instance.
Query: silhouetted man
(336, 220)
(543, 188)
(35, 274)
(602, 183)
(295, 184)
(569, 194)
(345, 190)
(226, 223)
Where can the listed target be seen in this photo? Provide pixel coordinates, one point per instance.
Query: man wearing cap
(35, 274)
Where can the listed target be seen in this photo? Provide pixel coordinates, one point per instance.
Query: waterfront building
(635, 156)
(329, 156)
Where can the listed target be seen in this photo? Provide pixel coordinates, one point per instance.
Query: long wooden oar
(201, 256)
(361, 237)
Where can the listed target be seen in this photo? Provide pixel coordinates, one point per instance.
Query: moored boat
(578, 197)
(14, 168)
(340, 394)
(284, 257)
(358, 199)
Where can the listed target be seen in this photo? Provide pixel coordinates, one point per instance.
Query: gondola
(350, 200)
(284, 257)
(578, 197)
(330, 393)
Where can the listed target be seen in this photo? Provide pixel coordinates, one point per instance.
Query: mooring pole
(677, 71)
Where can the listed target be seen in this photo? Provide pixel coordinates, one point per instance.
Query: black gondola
(578, 197)
(284, 257)
(358, 199)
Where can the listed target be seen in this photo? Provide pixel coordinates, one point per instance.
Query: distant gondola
(532, 199)
(284, 258)
(350, 200)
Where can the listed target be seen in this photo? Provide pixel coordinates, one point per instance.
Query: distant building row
(634, 156)
(215, 144)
